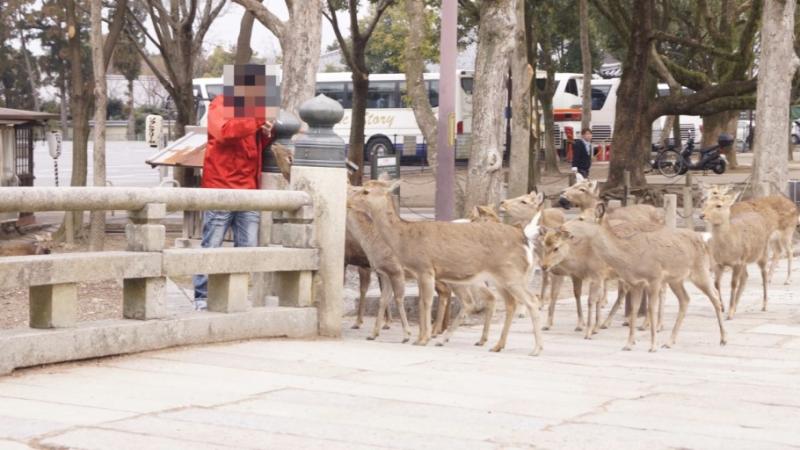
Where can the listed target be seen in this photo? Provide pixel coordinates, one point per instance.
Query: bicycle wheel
(669, 163)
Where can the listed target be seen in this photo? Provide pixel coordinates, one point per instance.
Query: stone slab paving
(355, 394)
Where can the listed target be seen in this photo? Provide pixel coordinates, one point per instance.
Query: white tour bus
(389, 118)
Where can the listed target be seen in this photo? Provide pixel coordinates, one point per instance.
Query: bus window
(381, 94)
(599, 95)
(466, 85)
(571, 87)
(333, 90)
(433, 93)
(213, 90)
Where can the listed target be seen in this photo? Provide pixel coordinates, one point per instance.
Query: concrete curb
(33, 347)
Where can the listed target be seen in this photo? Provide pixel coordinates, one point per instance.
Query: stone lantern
(319, 146)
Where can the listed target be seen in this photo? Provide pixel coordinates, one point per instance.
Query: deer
(457, 254)
(354, 256)
(737, 241)
(41, 245)
(645, 256)
(788, 219)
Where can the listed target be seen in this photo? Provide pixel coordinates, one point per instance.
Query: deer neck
(389, 226)
(591, 205)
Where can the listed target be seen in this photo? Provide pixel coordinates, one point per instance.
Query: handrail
(34, 199)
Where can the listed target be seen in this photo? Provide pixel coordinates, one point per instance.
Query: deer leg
(683, 304)
(763, 266)
(740, 285)
(735, 280)
(467, 306)
(654, 294)
(383, 304)
(577, 287)
(441, 308)
(636, 300)
(426, 282)
(662, 296)
(511, 306)
(546, 281)
(776, 245)
(487, 314)
(520, 293)
(620, 296)
(398, 283)
(363, 286)
(703, 282)
(387, 324)
(555, 287)
(592, 302)
(717, 283)
(789, 237)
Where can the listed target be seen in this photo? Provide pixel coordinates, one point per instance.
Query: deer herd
(481, 257)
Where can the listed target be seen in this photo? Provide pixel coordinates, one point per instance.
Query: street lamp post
(445, 140)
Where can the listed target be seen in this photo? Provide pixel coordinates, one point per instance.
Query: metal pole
(445, 141)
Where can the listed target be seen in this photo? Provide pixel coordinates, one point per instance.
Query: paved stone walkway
(353, 394)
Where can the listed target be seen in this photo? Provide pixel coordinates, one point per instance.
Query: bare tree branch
(265, 16)
(379, 10)
(330, 14)
(679, 104)
(664, 36)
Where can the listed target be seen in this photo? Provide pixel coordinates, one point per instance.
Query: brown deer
(788, 218)
(645, 256)
(456, 253)
(354, 256)
(737, 241)
(41, 245)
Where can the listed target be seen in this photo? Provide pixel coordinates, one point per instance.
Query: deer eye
(555, 249)
(719, 206)
(583, 189)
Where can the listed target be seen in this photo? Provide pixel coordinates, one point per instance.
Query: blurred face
(248, 92)
(587, 136)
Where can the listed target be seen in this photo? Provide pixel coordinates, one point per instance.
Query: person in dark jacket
(582, 152)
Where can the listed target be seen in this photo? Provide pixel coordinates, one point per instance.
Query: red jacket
(233, 152)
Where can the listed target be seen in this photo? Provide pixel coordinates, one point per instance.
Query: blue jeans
(215, 225)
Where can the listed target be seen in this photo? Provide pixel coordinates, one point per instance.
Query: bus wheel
(380, 145)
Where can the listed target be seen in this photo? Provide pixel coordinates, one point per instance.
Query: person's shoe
(200, 305)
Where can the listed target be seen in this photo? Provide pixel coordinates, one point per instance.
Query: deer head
(717, 209)
(522, 208)
(555, 247)
(582, 194)
(43, 244)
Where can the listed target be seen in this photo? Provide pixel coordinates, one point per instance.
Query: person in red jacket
(238, 130)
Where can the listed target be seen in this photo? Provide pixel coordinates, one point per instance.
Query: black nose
(564, 203)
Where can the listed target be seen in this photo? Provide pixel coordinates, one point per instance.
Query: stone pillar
(286, 125)
(53, 305)
(319, 169)
(671, 210)
(688, 208)
(145, 298)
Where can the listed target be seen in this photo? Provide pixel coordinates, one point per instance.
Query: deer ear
(593, 186)
(599, 211)
(539, 198)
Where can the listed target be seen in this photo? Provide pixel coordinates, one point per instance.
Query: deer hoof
(406, 339)
(496, 349)
(763, 308)
(420, 342)
(627, 348)
(355, 326)
(440, 344)
(722, 342)
(667, 346)
(653, 349)
(579, 328)
(546, 327)
(371, 338)
(387, 327)
(536, 351)
(604, 326)
(480, 343)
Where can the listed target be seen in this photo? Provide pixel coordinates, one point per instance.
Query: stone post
(671, 210)
(319, 169)
(145, 298)
(285, 125)
(688, 208)
(53, 305)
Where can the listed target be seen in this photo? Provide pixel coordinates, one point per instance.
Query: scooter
(672, 163)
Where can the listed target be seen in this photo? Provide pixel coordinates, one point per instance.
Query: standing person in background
(238, 130)
(582, 152)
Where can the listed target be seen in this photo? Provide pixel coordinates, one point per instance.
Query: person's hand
(267, 128)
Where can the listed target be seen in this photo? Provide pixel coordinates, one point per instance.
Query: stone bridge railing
(307, 263)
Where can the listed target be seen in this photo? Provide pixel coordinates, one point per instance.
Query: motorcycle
(671, 163)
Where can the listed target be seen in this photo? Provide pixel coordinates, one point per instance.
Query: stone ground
(353, 394)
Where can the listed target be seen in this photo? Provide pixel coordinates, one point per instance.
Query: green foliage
(387, 44)
(116, 109)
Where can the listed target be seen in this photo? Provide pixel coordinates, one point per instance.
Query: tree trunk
(534, 174)
(777, 65)
(29, 69)
(97, 230)
(130, 133)
(62, 90)
(632, 101)
(550, 150)
(495, 42)
(243, 50)
(415, 84)
(301, 48)
(79, 107)
(355, 151)
(522, 74)
(668, 128)
(586, 63)
(721, 122)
